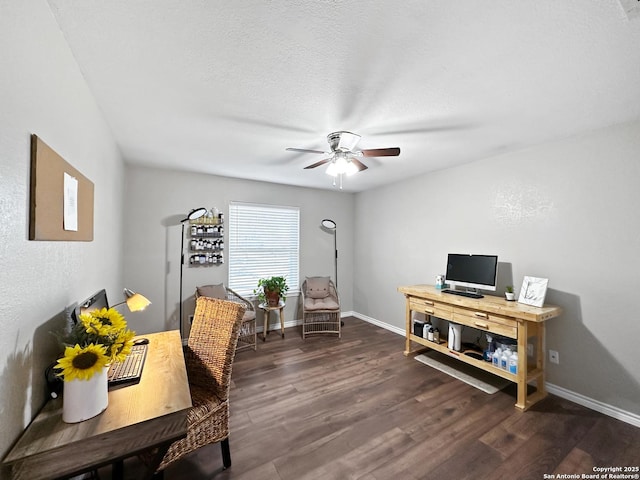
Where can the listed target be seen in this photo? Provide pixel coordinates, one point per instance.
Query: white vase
(84, 399)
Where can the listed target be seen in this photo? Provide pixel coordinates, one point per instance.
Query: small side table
(267, 310)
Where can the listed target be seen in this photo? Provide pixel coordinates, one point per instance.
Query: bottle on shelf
(497, 355)
(207, 239)
(504, 360)
(425, 329)
(488, 353)
(513, 363)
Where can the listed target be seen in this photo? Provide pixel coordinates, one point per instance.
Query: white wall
(566, 211)
(43, 92)
(158, 199)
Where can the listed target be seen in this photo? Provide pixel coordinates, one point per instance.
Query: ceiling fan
(343, 158)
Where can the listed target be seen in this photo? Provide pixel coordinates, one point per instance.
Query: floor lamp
(193, 214)
(330, 226)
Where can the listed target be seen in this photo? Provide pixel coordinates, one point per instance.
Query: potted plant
(509, 294)
(270, 290)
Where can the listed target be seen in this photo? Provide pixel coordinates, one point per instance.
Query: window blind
(264, 241)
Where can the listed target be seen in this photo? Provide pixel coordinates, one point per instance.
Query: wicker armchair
(320, 307)
(209, 358)
(247, 338)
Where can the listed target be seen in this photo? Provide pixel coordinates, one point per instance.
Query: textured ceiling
(225, 87)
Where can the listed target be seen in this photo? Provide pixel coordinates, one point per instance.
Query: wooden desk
(488, 314)
(150, 414)
(267, 310)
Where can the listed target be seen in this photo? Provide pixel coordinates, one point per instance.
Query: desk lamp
(193, 214)
(136, 302)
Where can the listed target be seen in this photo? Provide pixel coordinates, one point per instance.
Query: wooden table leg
(523, 336)
(282, 321)
(408, 327)
(265, 329)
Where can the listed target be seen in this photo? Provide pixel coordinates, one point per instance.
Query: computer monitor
(96, 301)
(472, 271)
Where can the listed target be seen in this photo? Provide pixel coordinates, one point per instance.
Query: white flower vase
(84, 399)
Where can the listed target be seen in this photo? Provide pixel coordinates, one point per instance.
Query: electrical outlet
(554, 357)
(530, 349)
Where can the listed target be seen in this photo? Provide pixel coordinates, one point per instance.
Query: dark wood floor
(326, 408)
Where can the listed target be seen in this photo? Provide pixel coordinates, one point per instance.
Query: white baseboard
(386, 326)
(596, 405)
(609, 410)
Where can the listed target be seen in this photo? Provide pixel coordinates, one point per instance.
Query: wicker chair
(209, 358)
(320, 307)
(247, 338)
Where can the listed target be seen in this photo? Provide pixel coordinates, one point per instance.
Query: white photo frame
(533, 291)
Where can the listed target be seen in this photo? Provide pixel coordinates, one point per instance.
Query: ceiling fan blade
(317, 164)
(304, 150)
(361, 166)
(381, 152)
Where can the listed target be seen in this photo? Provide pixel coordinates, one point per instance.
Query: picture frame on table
(533, 291)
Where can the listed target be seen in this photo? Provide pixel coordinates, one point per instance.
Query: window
(264, 241)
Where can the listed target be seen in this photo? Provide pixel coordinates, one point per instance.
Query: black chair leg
(226, 453)
(117, 470)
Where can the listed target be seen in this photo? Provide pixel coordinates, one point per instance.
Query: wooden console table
(152, 413)
(488, 314)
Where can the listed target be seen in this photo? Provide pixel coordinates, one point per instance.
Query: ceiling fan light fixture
(341, 164)
(343, 159)
(351, 168)
(332, 170)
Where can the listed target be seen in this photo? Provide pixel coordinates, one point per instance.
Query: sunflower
(121, 346)
(98, 338)
(82, 362)
(103, 322)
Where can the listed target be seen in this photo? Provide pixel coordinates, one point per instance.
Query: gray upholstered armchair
(320, 307)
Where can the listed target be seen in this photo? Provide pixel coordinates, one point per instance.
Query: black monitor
(95, 302)
(472, 271)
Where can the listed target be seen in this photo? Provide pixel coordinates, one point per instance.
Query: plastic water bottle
(497, 355)
(488, 353)
(504, 360)
(513, 363)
